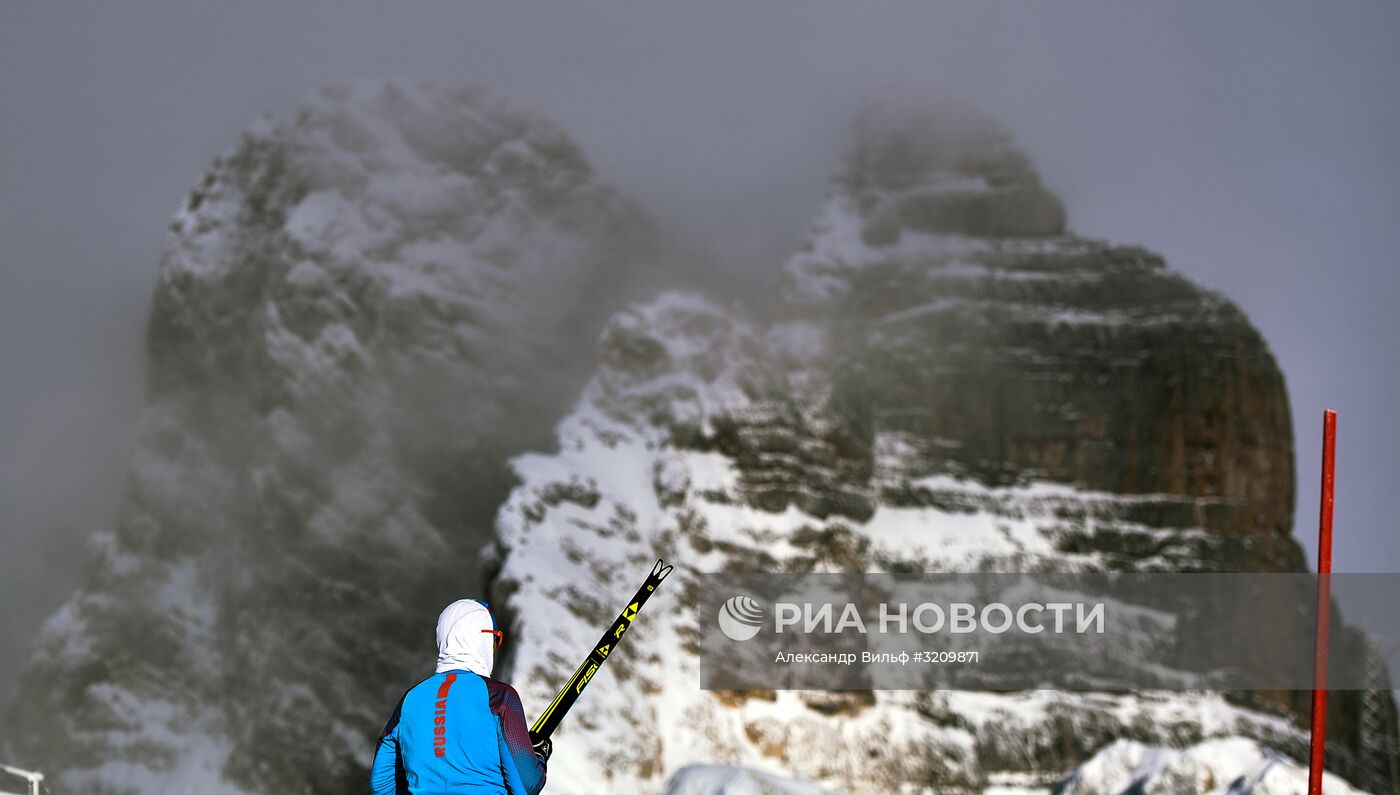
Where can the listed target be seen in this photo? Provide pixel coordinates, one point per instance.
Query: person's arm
(384, 775)
(524, 769)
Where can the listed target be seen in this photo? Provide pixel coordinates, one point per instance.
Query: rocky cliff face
(360, 314)
(1002, 349)
(949, 381)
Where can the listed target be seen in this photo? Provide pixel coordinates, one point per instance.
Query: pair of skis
(572, 689)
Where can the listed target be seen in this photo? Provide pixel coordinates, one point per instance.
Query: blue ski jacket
(457, 732)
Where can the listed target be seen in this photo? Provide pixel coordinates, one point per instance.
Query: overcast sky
(1254, 145)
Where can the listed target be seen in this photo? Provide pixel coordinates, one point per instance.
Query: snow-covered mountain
(365, 312)
(702, 440)
(948, 381)
(360, 315)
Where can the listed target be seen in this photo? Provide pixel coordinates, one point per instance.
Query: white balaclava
(462, 643)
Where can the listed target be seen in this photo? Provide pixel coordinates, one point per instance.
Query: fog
(1254, 146)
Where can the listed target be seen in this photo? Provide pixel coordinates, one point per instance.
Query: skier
(459, 730)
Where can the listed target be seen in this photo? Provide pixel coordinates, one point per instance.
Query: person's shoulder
(496, 684)
(501, 692)
(424, 682)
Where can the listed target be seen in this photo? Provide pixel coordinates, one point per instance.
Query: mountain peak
(360, 313)
(945, 172)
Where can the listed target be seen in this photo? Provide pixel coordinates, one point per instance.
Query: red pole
(1324, 600)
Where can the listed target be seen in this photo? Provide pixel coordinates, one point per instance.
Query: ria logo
(740, 618)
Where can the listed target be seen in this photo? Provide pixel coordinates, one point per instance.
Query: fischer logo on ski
(586, 677)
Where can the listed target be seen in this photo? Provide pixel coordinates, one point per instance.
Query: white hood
(462, 645)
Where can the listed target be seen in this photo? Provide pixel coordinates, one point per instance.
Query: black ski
(559, 707)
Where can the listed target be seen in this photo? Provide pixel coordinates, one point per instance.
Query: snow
(835, 248)
(725, 780)
(1229, 766)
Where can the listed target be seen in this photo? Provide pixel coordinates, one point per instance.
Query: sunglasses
(500, 637)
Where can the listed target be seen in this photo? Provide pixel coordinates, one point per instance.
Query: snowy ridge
(1218, 767)
(722, 780)
(643, 471)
